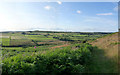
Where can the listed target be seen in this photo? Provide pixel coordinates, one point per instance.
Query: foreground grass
(102, 63)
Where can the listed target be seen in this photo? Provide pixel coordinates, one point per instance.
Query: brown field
(60, 46)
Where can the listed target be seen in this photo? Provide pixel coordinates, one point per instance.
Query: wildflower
(35, 47)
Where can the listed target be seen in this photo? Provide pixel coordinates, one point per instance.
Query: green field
(48, 52)
(5, 41)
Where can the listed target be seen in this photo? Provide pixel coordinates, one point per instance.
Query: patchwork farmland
(47, 52)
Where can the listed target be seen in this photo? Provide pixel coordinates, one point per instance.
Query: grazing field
(5, 41)
(50, 53)
(21, 42)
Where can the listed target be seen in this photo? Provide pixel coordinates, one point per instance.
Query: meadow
(47, 52)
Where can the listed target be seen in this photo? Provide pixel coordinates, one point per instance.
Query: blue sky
(59, 16)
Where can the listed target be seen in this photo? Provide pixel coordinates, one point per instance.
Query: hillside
(109, 43)
(106, 59)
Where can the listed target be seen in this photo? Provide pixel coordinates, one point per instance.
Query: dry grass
(107, 56)
(108, 44)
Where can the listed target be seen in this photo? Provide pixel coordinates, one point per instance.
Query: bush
(53, 62)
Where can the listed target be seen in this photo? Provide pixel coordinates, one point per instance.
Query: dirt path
(60, 46)
(102, 64)
(105, 59)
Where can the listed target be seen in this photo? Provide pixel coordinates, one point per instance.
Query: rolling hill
(109, 43)
(106, 59)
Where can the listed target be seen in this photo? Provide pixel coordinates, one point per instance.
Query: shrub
(53, 62)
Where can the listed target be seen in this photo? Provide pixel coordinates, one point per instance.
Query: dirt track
(60, 46)
(105, 60)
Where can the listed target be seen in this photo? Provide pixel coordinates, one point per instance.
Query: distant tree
(84, 41)
(36, 30)
(23, 33)
(30, 31)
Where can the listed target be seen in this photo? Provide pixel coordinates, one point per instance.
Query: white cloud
(78, 11)
(116, 8)
(59, 2)
(105, 14)
(47, 7)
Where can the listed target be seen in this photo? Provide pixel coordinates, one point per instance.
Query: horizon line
(59, 31)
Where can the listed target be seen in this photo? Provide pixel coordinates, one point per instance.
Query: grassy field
(6, 41)
(54, 53)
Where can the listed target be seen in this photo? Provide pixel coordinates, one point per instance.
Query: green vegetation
(101, 63)
(59, 61)
(115, 43)
(5, 41)
(50, 53)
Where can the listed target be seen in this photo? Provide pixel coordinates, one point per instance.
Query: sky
(59, 16)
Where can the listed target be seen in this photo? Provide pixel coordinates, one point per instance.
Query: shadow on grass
(102, 63)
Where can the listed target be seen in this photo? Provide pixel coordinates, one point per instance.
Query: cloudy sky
(59, 16)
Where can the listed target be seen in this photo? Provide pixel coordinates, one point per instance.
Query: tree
(23, 33)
